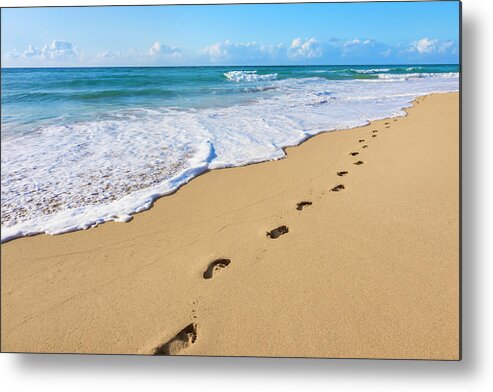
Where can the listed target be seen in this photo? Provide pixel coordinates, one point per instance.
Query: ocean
(82, 146)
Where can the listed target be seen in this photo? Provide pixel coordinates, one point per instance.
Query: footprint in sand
(375, 130)
(215, 266)
(353, 154)
(358, 163)
(276, 233)
(373, 135)
(338, 188)
(365, 146)
(361, 140)
(303, 204)
(342, 173)
(183, 339)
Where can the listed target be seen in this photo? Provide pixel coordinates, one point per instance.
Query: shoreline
(126, 217)
(369, 270)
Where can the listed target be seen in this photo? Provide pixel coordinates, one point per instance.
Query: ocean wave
(370, 71)
(416, 75)
(327, 70)
(248, 76)
(259, 89)
(103, 94)
(41, 96)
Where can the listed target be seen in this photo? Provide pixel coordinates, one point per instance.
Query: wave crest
(370, 71)
(248, 76)
(424, 75)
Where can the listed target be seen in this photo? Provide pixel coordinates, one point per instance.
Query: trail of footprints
(188, 335)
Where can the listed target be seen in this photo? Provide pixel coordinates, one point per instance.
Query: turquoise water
(31, 97)
(81, 146)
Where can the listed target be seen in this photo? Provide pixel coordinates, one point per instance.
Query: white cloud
(216, 51)
(428, 46)
(162, 50)
(57, 51)
(64, 53)
(255, 52)
(299, 50)
(249, 51)
(108, 55)
(364, 49)
(424, 45)
(358, 41)
(309, 48)
(12, 55)
(31, 51)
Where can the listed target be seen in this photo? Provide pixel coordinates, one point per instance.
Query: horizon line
(222, 66)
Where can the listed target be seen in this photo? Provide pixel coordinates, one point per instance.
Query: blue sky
(351, 33)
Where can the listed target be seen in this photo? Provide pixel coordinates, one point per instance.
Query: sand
(369, 270)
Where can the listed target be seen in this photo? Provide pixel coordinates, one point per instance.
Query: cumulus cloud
(12, 55)
(298, 51)
(257, 53)
(364, 50)
(162, 50)
(309, 48)
(64, 53)
(219, 50)
(358, 41)
(235, 51)
(30, 52)
(108, 55)
(57, 51)
(431, 46)
(424, 45)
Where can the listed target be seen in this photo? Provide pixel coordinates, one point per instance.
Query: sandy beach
(349, 247)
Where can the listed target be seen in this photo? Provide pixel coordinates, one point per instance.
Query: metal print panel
(237, 180)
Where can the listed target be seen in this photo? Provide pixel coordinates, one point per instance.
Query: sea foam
(406, 76)
(249, 76)
(370, 71)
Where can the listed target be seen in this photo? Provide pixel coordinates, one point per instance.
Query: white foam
(422, 75)
(370, 71)
(248, 76)
(71, 177)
